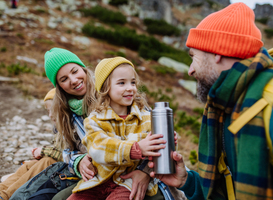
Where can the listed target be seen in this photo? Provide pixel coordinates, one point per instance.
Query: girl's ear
(218, 58)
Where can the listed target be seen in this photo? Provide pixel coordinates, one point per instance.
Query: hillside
(35, 27)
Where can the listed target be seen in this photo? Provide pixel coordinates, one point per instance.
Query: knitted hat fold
(105, 67)
(55, 59)
(229, 32)
(50, 94)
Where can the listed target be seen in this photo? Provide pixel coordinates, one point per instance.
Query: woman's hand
(140, 184)
(36, 153)
(86, 168)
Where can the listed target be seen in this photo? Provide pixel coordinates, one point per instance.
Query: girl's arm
(104, 146)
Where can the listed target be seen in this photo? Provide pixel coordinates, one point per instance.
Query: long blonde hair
(66, 136)
(104, 99)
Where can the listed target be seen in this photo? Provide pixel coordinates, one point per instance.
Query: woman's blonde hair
(104, 99)
(66, 136)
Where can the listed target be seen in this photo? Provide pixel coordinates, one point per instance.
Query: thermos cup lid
(162, 107)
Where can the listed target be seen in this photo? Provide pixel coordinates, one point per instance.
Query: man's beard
(204, 85)
(203, 90)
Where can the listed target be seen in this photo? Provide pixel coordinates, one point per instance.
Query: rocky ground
(24, 124)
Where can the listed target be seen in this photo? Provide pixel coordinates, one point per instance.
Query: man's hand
(140, 184)
(176, 180)
(86, 168)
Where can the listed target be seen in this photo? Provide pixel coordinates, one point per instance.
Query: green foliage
(182, 120)
(197, 5)
(20, 35)
(41, 10)
(160, 27)
(148, 47)
(193, 157)
(118, 2)
(268, 32)
(45, 41)
(104, 15)
(164, 70)
(195, 139)
(262, 20)
(144, 89)
(16, 69)
(169, 90)
(3, 49)
(115, 53)
(199, 111)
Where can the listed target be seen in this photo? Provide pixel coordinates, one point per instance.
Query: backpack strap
(45, 191)
(224, 169)
(165, 191)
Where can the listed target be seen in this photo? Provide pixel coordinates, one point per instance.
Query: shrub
(199, 111)
(268, 32)
(193, 157)
(115, 53)
(263, 20)
(164, 70)
(118, 2)
(147, 46)
(160, 27)
(3, 49)
(182, 120)
(16, 69)
(104, 15)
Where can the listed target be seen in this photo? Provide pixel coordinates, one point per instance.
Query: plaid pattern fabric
(234, 92)
(52, 152)
(109, 139)
(71, 156)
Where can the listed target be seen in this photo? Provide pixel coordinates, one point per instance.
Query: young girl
(75, 98)
(117, 135)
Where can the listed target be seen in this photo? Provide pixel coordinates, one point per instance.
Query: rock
(81, 40)
(8, 158)
(180, 67)
(29, 60)
(44, 143)
(3, 5)
(189, 85)
(45, 118)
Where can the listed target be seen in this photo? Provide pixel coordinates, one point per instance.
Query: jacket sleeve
(104, 146)
(192, 187)
(52, 152)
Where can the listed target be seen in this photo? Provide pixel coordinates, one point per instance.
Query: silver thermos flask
(162, 123)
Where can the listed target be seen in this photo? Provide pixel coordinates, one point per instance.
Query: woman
(74, 100)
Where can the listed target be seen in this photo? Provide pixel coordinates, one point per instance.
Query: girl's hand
(150, 144)
(36, 153)
(86, 168)
(140, 184)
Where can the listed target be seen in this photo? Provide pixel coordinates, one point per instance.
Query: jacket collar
(109, 113)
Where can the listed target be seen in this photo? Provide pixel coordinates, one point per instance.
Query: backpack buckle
(62, 177)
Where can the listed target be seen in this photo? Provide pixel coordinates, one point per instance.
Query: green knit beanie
(55, 59)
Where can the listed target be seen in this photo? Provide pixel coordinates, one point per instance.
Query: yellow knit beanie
(50, 94)
(105, 67)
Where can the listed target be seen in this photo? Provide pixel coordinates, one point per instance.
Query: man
(232, 69)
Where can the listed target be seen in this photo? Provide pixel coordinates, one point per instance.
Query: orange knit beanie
(229, 32)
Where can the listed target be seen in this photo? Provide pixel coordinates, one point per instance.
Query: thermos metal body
(162, 123)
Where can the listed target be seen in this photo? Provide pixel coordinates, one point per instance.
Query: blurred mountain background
(150, 33)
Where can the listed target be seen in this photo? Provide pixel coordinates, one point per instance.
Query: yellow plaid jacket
(109, 139)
